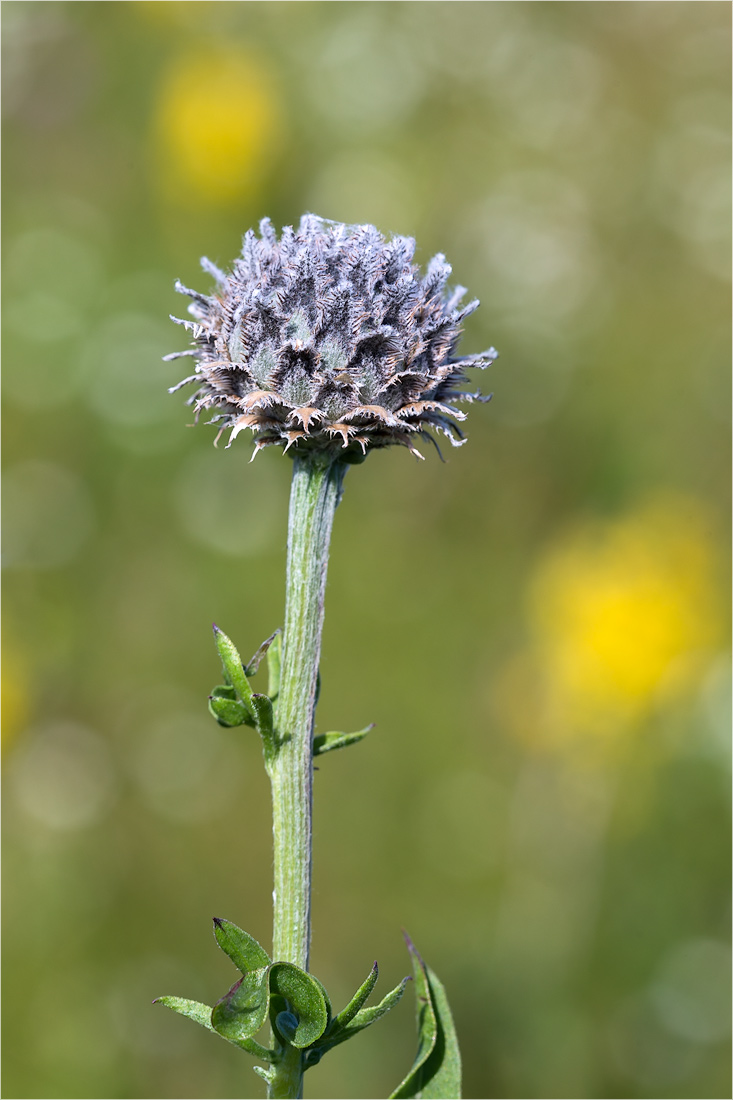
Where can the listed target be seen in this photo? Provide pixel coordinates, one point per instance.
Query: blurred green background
(538, 627)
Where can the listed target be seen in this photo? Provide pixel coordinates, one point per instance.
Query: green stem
(315, 492)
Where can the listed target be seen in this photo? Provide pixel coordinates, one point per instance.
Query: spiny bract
(329, 339)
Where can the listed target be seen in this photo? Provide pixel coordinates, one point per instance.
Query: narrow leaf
(243, 1010)
(229, 712)
(446, 1082)
(274, 658)
(201, 1014)
(365, 1017)
(244, 951)
(303, 994)
(262, 707)
(194, 1010)
(327, 742)
(436, 1071)
(357, 1001)
(232, 663)
(254, 662)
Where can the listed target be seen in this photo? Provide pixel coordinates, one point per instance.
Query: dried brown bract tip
(330, 339)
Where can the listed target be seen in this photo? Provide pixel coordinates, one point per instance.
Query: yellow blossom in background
(14, 698)
(215, 127)
(623, 614)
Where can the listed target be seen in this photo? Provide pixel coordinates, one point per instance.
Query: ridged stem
(315, 492)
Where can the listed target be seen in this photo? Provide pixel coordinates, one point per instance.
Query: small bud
(234, 669)
(229, 712)
(287, 1024)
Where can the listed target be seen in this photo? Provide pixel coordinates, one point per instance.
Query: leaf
(436, 1071)
(347, 1014)
(233, 668)
(244, 951)
(243, 1010)
(262, 706)
(223, 691)
(446, 1082)
(229, 712)
(274, 659)
(365, 1017)
(254, 662)
(326, 998)
(303, 994)
(327, 742)
(201, 1014)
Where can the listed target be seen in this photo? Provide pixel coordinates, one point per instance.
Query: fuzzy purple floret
(330, 339)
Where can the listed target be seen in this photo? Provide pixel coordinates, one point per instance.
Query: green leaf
(304, 996)
(357, 1001)
(229, 712)
(193, 1009)
(262, 707)
(243, 1010)
(233, 668)
(223, 691)
(326, 998)
(274, 659)
(436, 1071)
(327, 742)
(254, 662)
(244, 951)
(365, 1017)
(201, 1014)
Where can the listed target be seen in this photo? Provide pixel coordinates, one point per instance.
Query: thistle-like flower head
(330, 339)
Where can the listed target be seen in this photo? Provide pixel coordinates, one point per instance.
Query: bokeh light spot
(47, 515)
(363, 77)
(691, 994)
(186, 768)
(537, 244)
(225, 505)
(126, 379)
(62, 776)
(53, 262)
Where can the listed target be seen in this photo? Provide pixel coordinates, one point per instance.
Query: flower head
(330, 339)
